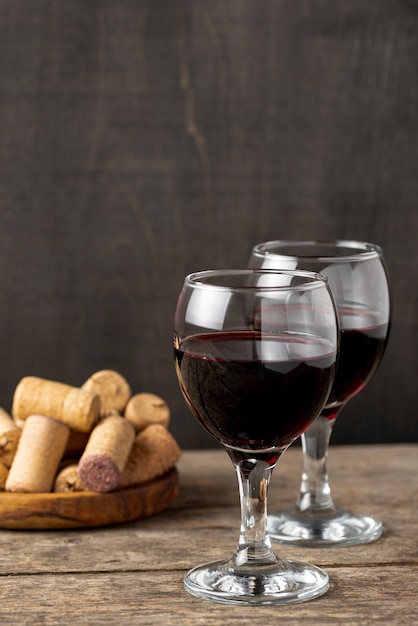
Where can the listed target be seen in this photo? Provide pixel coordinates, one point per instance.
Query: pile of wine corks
(97, 437)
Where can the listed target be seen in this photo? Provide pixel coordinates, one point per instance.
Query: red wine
(253, 391)
(361, 350)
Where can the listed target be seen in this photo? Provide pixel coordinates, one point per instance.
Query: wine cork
(144, 409)
(4, 471)
(9, 438)
(39, 452)
(106, 453)
(113, 389)
(68, 480)
(153, 453)
(77, 408)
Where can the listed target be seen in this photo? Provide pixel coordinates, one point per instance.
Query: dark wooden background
(141, 140)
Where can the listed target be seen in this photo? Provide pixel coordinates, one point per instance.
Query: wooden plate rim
(29, 510)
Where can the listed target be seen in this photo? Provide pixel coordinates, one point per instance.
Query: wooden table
(133, 573)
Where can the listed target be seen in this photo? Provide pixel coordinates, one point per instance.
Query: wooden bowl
(86, 508)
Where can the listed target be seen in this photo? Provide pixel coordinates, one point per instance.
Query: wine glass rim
(362, 250)
(312, 280)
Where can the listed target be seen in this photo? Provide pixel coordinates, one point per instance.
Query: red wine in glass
(360, 353)
(250, 401)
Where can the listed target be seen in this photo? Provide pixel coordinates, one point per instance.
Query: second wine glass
(358, 280)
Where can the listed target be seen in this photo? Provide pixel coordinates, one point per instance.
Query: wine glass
(358, 280)
(255, 356)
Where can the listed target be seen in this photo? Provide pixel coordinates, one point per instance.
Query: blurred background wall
(144, 139)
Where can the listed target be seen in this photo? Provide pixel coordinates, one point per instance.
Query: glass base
(317, 528)
(280, 583)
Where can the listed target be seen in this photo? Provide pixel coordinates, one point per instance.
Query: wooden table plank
(133, 573)
(206, 537)
(382, 595)
(205, 517)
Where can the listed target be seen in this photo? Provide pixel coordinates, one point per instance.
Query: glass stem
(254, 544)
(315, 492)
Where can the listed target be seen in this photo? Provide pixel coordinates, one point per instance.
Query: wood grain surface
(36, 511)
(133, 573)
(141, 141)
